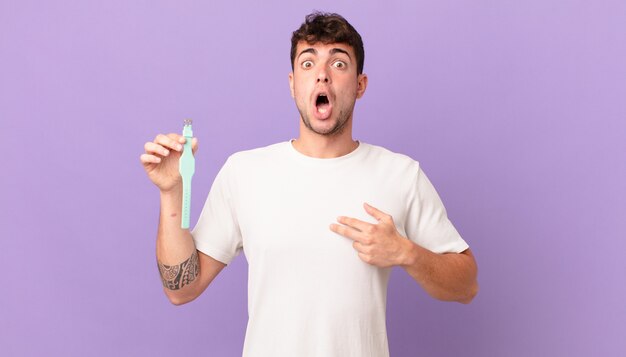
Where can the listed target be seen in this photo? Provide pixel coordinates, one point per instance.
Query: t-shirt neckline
(322, 161)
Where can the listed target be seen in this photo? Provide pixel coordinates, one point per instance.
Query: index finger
(347, 232)
(168, 141)
(354, 223)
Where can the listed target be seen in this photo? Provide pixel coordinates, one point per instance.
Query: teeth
(322, 110)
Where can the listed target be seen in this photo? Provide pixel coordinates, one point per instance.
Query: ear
(291, 84)
(361, 85)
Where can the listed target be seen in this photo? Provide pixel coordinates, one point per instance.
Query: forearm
(449, 277)
(177, 258)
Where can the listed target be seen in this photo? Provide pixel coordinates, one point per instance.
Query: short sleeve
(427, 222)
(217, 232)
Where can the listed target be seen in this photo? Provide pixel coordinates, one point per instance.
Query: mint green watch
(186, 168)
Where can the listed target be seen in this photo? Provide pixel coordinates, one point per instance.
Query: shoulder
(385, 157)
(259, 155)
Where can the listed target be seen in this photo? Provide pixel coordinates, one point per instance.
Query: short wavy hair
(328, 28)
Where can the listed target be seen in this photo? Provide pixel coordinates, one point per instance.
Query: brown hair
(328, 28)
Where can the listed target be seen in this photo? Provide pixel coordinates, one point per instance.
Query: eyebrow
(339, 50)
(332, 51)
(308, 50)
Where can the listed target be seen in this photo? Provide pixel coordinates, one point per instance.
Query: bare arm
(449, 277)
(185, 272)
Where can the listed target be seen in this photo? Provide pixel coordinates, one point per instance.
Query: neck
(325, 146)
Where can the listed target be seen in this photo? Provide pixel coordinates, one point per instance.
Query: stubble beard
(337, 129)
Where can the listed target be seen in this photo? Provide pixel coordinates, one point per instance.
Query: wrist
(409, 253)
(171, 203)
(173, 193)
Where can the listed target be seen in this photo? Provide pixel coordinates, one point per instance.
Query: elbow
(464, 296)
(471, 294)
(177, 299)
(472, 289)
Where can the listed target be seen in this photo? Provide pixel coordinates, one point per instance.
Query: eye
(307, 64)
(339, 64)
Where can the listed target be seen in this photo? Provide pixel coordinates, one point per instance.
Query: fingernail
(165, 152)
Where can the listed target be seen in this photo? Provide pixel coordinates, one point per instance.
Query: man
(322, 218)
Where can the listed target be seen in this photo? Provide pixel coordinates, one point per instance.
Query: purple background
(515, 109)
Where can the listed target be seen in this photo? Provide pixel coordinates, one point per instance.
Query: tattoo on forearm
(176, 276)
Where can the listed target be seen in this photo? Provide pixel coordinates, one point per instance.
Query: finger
(147, 159)
(366, 258)
(375, 212)
(347, 232)
(169, 142)
(179, 139)
(355, 223)
(194, 145)
(156, 149)
(359, 247)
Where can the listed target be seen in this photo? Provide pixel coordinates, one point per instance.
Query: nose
(322, 76)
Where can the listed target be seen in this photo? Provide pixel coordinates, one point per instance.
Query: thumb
(194, 145)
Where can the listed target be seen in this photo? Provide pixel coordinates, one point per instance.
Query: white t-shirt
(309, 293)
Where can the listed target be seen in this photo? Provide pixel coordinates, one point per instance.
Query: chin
(330, 131)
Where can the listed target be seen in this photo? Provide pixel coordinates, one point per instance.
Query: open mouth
(321, 103)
